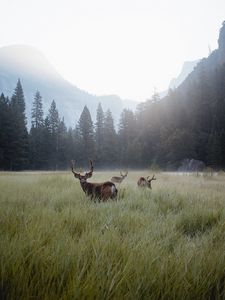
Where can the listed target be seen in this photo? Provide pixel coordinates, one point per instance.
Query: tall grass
(167, 243)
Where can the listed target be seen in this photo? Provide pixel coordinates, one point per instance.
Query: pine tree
(110, 149)
(53, 116)
(36, 138)
(37, 111)
(19, 157)
(18, 100)
(5, 132)
(86, 132)
(99, 133)
(54, 121)
(47, 142)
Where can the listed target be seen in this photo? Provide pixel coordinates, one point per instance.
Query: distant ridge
(37, 73)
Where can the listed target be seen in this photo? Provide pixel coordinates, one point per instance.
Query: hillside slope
(36, 73)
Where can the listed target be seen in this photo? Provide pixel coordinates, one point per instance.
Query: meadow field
(164, 243)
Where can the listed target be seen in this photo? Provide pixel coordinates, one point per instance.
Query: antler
(77, 175)
(124, 174)
(153, 178)
(89, 174)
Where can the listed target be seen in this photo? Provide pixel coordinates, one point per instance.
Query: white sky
(123, 47)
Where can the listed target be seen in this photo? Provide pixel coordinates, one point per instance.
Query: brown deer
(145, 182)
(103, 191)
(118, 179)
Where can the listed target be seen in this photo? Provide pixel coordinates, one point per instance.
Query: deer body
(145, 182)
(119, 179)
(103, 191)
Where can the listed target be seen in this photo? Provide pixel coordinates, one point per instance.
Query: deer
(102, 191)
(146, 182)
(118, 179)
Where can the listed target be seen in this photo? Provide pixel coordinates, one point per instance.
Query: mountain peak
(221, 43)
(187, 68)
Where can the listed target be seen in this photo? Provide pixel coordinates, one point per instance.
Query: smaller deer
(145, 182)
(118, 179)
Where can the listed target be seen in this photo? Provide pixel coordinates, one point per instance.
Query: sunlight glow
(115, 47)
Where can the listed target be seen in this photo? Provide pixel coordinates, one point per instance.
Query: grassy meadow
(164, 243)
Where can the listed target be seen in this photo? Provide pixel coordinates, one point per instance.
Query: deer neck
(84, 185)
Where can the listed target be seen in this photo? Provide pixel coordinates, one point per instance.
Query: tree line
(49, 144)
(188, 123)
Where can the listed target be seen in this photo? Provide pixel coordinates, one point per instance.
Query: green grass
(167, 243)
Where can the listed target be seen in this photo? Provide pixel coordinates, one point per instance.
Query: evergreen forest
(189, 123)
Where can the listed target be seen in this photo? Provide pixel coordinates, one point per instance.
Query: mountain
(187, 68)
(195, 112)
(207, 68)
(37, 73)
(188, 124)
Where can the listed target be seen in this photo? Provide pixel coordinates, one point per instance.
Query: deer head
(145, 182)
(123, 175)
(84, 177)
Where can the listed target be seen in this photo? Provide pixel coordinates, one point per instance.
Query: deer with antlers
(119, 179)
(145, 182)
(102, 191)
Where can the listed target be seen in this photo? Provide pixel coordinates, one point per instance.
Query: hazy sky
(124, 47)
